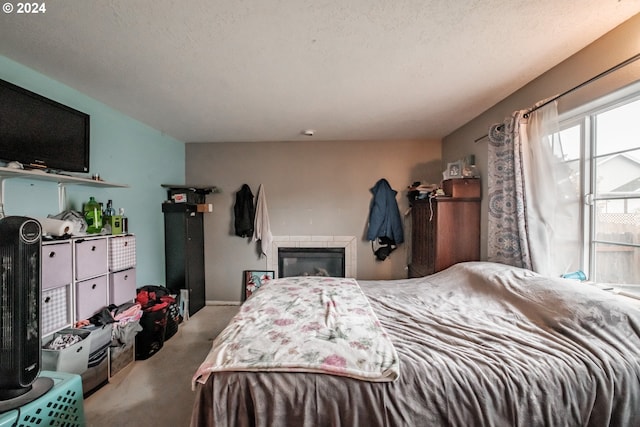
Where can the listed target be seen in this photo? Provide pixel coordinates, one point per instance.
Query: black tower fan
(20, 354)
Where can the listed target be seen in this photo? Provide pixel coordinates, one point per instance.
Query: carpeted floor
(157, 391)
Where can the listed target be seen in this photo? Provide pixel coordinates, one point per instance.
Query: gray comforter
(480, 344)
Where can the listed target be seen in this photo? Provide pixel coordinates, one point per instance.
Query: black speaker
(20, 354)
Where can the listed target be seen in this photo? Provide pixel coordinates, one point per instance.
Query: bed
(479, 344)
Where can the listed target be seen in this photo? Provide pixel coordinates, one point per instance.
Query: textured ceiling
(255, 70)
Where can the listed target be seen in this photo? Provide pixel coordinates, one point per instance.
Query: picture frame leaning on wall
(253, 279)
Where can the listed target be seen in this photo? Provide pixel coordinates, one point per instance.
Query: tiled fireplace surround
(346, 242)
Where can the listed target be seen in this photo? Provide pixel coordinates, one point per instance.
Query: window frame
(584, 117)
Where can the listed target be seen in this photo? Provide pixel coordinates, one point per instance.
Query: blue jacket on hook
(384, 215)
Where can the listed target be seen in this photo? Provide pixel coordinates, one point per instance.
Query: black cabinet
(184, 251)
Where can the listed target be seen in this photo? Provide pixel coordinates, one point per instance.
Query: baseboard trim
(223, 302)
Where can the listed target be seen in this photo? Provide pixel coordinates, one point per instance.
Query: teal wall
(123, 151)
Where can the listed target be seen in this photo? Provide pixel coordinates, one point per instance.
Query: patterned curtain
(534, 214)
(507, 231)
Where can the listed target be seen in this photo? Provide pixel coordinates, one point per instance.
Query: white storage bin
(73, 359)
(122, 287)
(56, 264)
(91, 257)
(121, 357)
(55, 309)
(100, 337)
(97, 374)
(91, 297)
(122, 252)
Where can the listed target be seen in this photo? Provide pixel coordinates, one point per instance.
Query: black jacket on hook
(244, 212)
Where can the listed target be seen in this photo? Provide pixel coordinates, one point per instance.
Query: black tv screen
(39, 132)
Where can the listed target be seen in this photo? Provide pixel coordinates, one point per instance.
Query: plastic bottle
(110, 211)
(125, 221)
(93, 216)
(576, 275)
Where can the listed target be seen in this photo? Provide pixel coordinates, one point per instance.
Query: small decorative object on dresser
(454, 170)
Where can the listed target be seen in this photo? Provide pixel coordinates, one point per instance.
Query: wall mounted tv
(41, 133)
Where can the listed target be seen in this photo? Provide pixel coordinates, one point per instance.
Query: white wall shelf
(59, 178)
(62, 180)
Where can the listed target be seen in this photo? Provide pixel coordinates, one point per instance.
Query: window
(601, 146)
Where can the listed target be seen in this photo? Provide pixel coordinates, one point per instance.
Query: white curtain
(534, 219)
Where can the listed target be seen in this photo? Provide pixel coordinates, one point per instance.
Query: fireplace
(311, 262)
(346, 243)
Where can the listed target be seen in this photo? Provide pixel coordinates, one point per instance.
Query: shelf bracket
(1, 197)
(62, 196)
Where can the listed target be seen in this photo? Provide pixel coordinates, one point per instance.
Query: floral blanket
(305, 324)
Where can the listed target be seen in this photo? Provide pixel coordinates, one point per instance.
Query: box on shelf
(461, 187)
(73, 359)
(186, 195)
(55, 309)
(122, 287)
(204, 207)
(122, 252)
(115, 221)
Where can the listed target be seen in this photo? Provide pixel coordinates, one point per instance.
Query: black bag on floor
(173, 319)
(150, 295)
(151, 339)
(154, 298)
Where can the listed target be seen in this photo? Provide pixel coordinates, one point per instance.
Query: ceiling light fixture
(308, 132)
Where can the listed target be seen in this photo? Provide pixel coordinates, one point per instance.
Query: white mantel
(346, 242)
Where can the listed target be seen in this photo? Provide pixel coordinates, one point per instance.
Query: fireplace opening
(311, 262)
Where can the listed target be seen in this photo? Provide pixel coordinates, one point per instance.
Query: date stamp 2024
(24, 8)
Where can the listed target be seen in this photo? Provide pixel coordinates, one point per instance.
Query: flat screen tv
(41, 133)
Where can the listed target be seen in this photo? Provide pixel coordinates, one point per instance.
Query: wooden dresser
(446, 230)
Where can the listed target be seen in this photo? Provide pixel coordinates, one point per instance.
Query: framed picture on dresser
(253, 279)
(454, 169)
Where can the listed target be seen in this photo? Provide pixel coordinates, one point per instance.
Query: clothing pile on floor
(62, 341)
(126, 324)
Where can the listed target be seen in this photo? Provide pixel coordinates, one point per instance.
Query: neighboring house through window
(600, 143)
